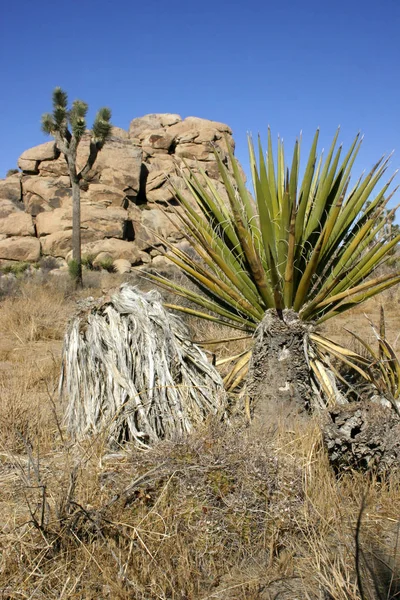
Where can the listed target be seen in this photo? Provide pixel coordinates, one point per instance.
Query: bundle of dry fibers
(129, 369)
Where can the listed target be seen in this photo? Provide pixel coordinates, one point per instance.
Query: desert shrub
(87, 261)
(8, 286)
(16, 268)
(74, 270)
(107, 265)
(48, 263)
(12, 172)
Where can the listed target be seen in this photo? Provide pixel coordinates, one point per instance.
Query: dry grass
(223, 514)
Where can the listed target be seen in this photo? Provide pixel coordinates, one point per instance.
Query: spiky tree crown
(102, 126)
(77, 118)
(58, 121)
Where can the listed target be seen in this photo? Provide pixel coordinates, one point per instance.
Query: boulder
(28, 166)
(116, 179)
(105, 222)
(162, 195)
(160, 262)
(155, 221)
(115, 248)
(17, 223)
(153, 121)
(59, 244)
(199, 130)
(197, 151)
(25, 249)
(10, 188)
(48, 192)
(46, 151)
(54, 168)
(117, 155)
(7, 207)
(53, 221)
(121, 265)
(157, 142)
(105, 194)
(35, 204)
(98, 220)
(119, 133)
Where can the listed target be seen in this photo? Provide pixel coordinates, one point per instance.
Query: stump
(363, 436)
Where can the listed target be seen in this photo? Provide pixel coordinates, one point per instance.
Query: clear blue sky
(293, 64)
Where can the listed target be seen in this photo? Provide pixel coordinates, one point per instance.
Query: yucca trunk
(279, 382)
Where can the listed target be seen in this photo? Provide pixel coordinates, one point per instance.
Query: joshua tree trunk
(279, 384)
(76, 230)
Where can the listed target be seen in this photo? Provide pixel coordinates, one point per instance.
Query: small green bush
(87, 261)
(108, 265)
(16, 269)
(73, 269)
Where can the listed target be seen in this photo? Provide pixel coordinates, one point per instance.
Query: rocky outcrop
(127, 198)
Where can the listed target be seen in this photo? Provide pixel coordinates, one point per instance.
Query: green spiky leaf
(102, 127)
(48, 125)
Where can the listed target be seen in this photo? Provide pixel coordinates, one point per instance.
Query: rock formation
(125, 198)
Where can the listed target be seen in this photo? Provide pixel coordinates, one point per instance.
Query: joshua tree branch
(90, 161)
(61, 144)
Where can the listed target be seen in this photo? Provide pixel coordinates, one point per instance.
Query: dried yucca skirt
(130, 370)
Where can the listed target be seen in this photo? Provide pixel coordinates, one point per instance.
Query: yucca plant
(311, 245)
(381, 366)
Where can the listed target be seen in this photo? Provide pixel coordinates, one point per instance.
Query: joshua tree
(67, 126)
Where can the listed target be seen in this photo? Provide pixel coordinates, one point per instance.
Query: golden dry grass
(229, 513)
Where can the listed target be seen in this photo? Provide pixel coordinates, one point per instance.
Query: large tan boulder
(118, 132)
(44, 193)
(53, 221)
(7, 207)
(161, 195)
(199, 130)
(141, 125)
(197, 151)
(17, 223)
(54, 168)
(98, 220)
(159, 181)
(155, 222)
(59, 244)
(24, 249)
(10, 188)
(28, 166)
(35, 204)
(105, 194)
(158, 141)
(118, 155)
(47, 151)
(115, 248)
